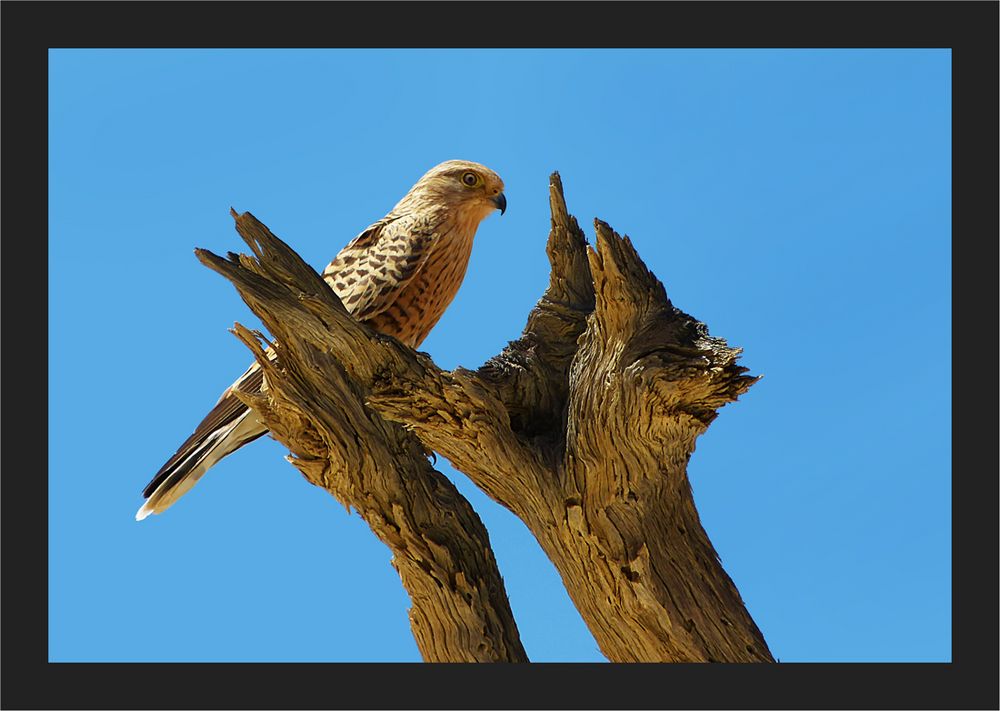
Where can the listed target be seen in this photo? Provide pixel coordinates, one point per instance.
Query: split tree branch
(582, 428)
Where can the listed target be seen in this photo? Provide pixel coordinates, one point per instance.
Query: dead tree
(583, 428)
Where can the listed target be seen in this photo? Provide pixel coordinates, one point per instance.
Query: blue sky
(796, 201)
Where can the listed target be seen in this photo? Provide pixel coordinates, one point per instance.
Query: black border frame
(968, 28)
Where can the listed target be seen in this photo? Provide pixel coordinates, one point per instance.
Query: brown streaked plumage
(398, 276)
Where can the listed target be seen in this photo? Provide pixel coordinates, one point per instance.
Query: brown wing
(370, 272)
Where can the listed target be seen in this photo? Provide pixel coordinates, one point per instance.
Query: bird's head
(470, 188)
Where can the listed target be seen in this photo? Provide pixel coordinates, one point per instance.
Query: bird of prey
(398, 276)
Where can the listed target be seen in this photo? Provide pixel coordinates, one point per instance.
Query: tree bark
(582, 428)
(314, 403)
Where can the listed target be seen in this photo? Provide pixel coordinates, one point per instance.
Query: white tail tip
(143, 511)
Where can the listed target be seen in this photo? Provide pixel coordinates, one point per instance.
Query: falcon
(398, 276)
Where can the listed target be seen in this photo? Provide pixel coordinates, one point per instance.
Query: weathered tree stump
(582, 428)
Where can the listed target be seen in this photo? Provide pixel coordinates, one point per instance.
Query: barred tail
(226, 428)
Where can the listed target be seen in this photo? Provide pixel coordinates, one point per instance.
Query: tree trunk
(582, 428)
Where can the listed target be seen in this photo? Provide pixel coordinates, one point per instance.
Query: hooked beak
(501, 202)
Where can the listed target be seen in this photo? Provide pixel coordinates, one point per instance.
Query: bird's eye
(471, 179)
